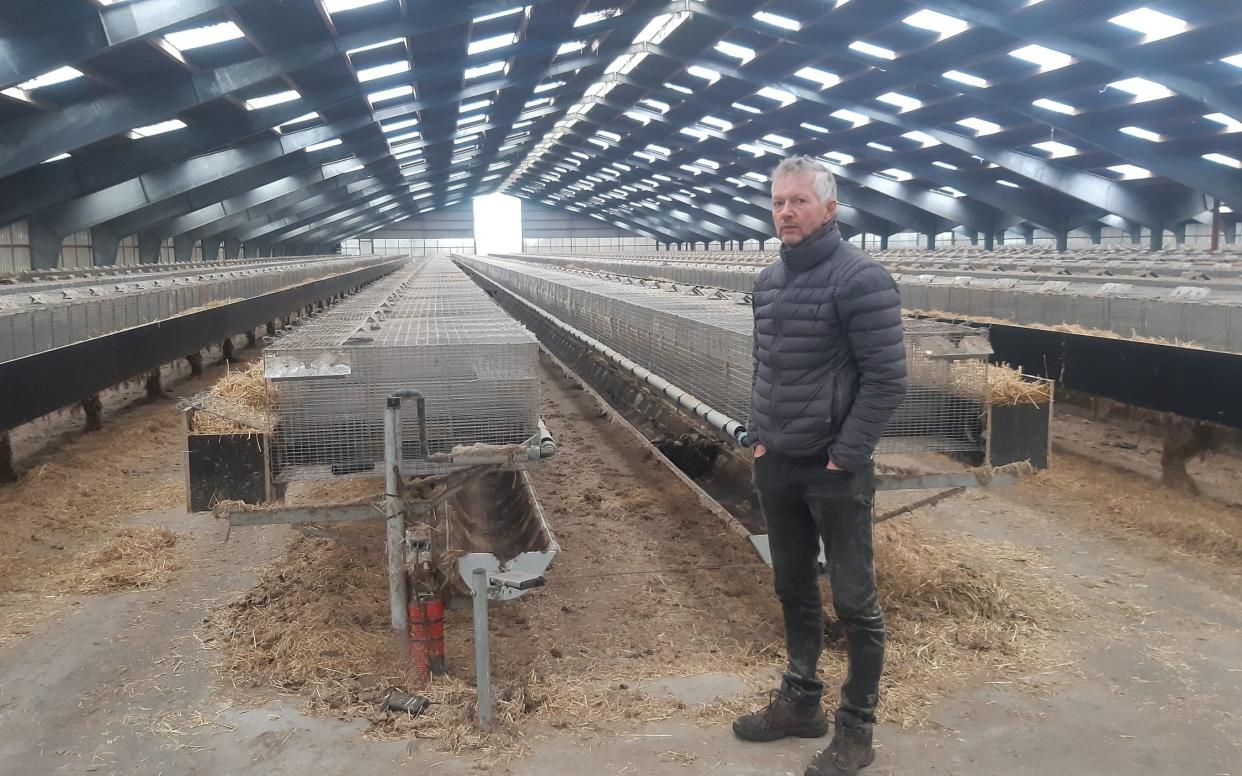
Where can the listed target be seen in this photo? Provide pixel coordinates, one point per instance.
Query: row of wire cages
(427, 329)
(702, 342)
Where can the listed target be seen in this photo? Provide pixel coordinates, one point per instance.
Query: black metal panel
(1019, 433)
(44, 382)
(1200, 384)
(226, 467)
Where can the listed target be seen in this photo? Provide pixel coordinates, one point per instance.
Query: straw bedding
(242, 394)
(959, 611)
(136, 558)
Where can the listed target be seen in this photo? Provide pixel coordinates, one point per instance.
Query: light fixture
(1153, 24)
(980, 126)
(1142, 134)
(1142, 89)
(776, 20)
(336, 141)
(1130, 172)
(1054, 149)
(926, 19)
(379, 71)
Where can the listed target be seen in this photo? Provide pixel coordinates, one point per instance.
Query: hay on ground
(959, 610)
(136, 558)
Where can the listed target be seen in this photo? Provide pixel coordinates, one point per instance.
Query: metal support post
(482, 648)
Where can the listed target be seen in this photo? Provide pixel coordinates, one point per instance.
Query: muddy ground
(134, 682)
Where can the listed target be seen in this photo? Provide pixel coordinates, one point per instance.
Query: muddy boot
(849, 752)
(783, 716)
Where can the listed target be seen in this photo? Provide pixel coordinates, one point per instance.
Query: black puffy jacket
(830, 364)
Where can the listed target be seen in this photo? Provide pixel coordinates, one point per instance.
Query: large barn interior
(379, 382)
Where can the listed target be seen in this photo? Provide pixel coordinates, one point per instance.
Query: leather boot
(783, 716)
(849, 752)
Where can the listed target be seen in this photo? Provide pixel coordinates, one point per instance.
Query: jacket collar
(814, 249)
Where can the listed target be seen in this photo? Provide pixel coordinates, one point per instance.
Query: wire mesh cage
(429, 329)
(702, 343)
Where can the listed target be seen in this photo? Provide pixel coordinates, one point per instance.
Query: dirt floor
(1077, 645)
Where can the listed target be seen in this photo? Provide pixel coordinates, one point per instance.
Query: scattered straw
(138, 557)
(1068, 328)
(1120, 501)
(1008, 386)
(238, 403)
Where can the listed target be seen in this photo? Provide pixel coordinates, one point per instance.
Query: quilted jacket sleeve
(870, 311)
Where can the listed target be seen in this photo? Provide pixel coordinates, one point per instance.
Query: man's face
(797, 211)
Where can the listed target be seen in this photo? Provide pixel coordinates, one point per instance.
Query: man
(830, 369)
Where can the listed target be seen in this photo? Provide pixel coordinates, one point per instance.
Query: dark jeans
(802, 503)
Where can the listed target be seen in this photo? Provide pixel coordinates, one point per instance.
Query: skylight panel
(776, 20)
(754, 176)
(658, 106)
(57, 76)
(539, 102)
(646, 157)
(707, 74)
(571, 47)
(1143, 134)
(839, 158)
(613, 136)
(1009, 184)
(548, 86)
(678, 88)
(661, 150)
(873, 50)
(373, 46)
(379, 71)
(1054, 149)
(390, 94)
(300, 120)
(778, 140)
(1153, 24)
(499, 66)
(896, 174)
(824, 78)
(1130, 172)
(1054, 106)
(980, 126)
(950, 191)
(336, 141)
(754, 150)
(1228, 161)
(1142, 89)
(396, 125)
(880, 147)
(501, 14)
(967, 78)
(160, 128)
(639, 116)
(591, 17)
(926, 19)
(1230, 123)
(901, 101)
(747, 108)
(56, 158)
(1046, 58)
(659, 28)
(403, 137)
(491, 43)
(408, 154)
(475, 119)
(336, 6)
(857, 119)
(718, 123)
(944, 165)
(741, 53)
(779, 95)
(814, 128)
(268, 100)
(922, 137)
(695, 133)
(466, 107)
(1235, 60)
(187, 40)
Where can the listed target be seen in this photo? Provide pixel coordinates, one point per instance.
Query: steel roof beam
(27, 53)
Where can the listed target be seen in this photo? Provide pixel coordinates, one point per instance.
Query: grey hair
(824, 183)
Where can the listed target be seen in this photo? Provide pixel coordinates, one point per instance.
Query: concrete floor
(1154, 684)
